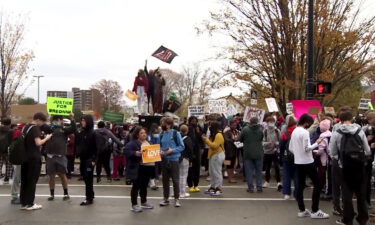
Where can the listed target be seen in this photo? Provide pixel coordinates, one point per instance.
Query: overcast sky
(79, 42)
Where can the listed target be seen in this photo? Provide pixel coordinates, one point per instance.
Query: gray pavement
(112, 206)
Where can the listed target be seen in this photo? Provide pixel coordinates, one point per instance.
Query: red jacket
(141, 82)
(290, 131)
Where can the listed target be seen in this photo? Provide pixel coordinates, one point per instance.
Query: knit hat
(173, 96)
(325, 125)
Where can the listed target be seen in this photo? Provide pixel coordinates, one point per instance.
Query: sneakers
(266, 184)
(66, 197)
(197, 189)
(177, 203)
(286, 197)
(217, 192)
(337, 212)
(51, 198)
(165, 202)
(305, 213)
(86, 202)
(184, 195)
(319, 215)
(136, 209)
(259, 190)
(192, 190)
(6, 181)
(209, 191)
(279, 187)
(340, 222)
(250, 190)
(24, 207)
(15, 201)
(34, 207)
(147, 206)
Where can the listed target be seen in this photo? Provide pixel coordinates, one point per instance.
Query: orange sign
(131, 95)
(151, 153)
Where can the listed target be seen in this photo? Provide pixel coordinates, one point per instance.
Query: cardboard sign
(329, 110)
(113, 117)
(217, 106)
(197, 111)
(254, 102)
(131, 95)
(150, 153)
(363, 104)
(303, 106)
(232, 110)
(59, 106)
(289, 108)
(251, 112)
(272, 105)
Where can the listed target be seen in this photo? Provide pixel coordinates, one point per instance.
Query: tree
(14, 60)
(267, 47)
(112, 94)
(27, 101)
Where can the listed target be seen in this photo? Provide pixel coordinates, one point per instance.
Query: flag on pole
(164, 54)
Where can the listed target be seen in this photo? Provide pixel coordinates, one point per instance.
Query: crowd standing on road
(336, 153)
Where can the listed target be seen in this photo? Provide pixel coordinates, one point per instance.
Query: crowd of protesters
(335, 152)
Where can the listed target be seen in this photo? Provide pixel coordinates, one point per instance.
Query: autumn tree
(14, 60)
(267, 45)
(27, 101)
(112, 94)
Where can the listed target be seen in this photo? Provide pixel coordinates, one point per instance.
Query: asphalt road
(112, 206)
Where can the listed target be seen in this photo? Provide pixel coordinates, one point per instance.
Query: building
(60, 94)
(87, 100)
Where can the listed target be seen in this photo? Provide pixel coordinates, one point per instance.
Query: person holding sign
(138, 172)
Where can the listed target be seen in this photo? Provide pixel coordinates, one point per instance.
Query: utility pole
(38, 77)
(310, 86)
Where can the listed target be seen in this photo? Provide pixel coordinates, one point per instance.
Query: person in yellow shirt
(216, 158)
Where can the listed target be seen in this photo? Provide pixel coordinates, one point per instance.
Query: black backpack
(352, 156)
(288, 155)
(17, 150)
(5, 137)
(102, 141)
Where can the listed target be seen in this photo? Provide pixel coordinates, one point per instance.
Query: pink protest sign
(305, 106)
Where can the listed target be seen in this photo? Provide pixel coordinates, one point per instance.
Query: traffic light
(323, 88)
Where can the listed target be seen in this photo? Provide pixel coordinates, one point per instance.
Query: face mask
(156, 135)
(271, 125)
(164, 127)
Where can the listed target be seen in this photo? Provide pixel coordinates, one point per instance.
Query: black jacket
(57, 145)
(188, 152)
(132, 161)
(85, 141)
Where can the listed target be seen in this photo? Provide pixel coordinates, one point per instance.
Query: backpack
(17, 149)
(352, 156)
(102, 141)
(288, 155)
(5, 137)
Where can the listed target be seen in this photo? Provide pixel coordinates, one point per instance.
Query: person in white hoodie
(353, 174)
(301, 148)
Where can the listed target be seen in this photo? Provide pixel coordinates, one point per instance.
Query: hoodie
(271, 140)
(85, 140)
(335, 143)
(252, 137)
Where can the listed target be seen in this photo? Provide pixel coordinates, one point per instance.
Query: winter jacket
(252, 137)
(57, 145)
(132, 160)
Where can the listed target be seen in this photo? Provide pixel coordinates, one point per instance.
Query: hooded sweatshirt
(85, 141)
(271, 140)
(335, 143)
(325, 136)
(252, 137)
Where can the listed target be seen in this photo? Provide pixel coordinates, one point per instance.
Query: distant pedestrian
(6, 134)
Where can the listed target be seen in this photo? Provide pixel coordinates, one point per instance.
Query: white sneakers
(266, 184)
(318, 215)
(184, 195)
(286, 197)
(34, 207)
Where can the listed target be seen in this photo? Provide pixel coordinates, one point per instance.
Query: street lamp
(310, 56)
(38, 77)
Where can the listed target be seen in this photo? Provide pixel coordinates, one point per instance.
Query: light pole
(310, 87)
(38, 77)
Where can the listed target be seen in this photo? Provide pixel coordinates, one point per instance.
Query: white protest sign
(272, 105)
(251, 112)
(363, 104)
(217, 106)
(232, 110)
(254, 102)
(196, 110)
(289, 108)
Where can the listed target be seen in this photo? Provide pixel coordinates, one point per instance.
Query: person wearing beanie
(171, 105)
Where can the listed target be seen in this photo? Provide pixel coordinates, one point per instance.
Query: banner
(164, 54)
(151, 153)
(304, 106)
(329, 110)
(131, 95)
(217, 106)
(272, 105)
(363, 104)
(251, 112)
(59, 106)
(197, 111)
(113, 117)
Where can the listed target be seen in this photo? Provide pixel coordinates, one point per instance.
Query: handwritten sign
(272, 105)
(217, 106)
(151, 153)
(251, 112)
(59, 106)
(197, 111)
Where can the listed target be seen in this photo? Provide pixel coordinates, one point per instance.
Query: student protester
(30, 170)
(154, 139)
(185, 160)
(301, 148)
(271, 141)
(369, 130)
(252, 137)
(6, 134)
(216, 158)
(71, 154)
(15, 189)
(349, 146)
(87, 152)
(56, 149)
(231, 135)
(118, 155)
(171, 147)
(139, 173)
(195, 134)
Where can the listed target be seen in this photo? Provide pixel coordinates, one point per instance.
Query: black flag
(164, 54)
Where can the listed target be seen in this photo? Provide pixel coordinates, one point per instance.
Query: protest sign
(363, 104)
(254, 102)
(164, 54)
(329, 110)
(303, 106)
(272, 105)
(371, 107)
(131, 95)
(59, 106)
(232, 110)
(251, 112)
(197, 111)
(151, 153)
(113, 117)
(289, 108)
(217, 106)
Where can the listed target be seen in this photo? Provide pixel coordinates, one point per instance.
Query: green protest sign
(59, 106)
(113, 117)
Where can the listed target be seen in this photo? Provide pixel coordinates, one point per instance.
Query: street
(112, 206)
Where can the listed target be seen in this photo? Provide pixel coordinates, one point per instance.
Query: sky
(79, 42)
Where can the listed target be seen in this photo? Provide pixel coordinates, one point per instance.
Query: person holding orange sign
(138, 172)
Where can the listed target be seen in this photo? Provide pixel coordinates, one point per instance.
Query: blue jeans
(251, 166)
(289, 176)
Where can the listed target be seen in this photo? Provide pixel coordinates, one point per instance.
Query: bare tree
(14, 60)
(112, 94)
